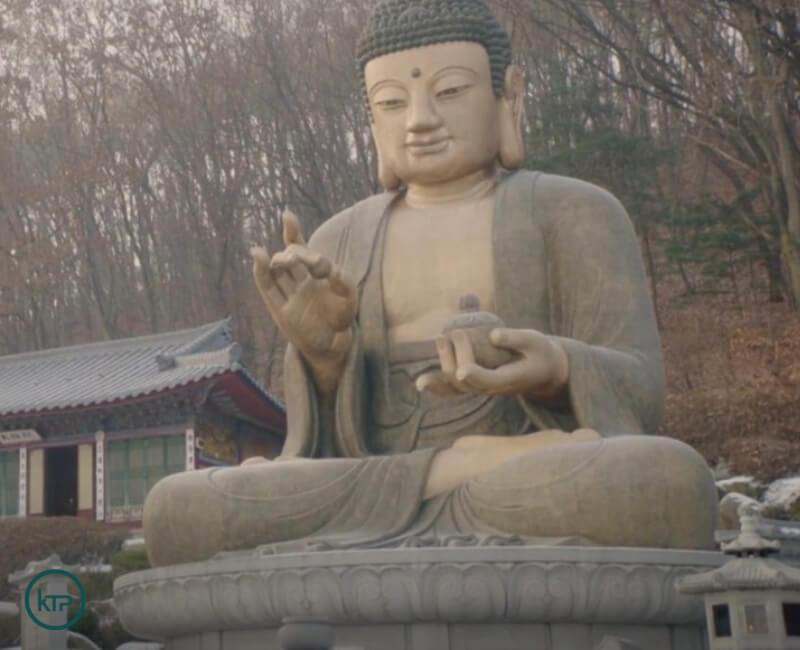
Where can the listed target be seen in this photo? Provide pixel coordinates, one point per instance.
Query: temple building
(88, 430)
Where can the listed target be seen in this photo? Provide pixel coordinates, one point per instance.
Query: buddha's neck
(468, 188)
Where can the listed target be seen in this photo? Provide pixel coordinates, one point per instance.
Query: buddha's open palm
(310, 299)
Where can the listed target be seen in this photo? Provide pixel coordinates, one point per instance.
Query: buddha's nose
(422, 115)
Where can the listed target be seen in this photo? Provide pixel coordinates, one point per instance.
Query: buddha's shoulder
(561, 197)
(574, 211)
(328, 236)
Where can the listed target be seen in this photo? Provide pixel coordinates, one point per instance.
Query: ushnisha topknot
(397, 25)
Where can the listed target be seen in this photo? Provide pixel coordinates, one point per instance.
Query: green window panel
(176, 454)
(9, 483)
(136, 465)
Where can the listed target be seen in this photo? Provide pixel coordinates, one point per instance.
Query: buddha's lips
(427, 146)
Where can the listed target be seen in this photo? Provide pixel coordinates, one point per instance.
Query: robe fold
(566, 263)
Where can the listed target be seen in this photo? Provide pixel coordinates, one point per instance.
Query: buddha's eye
(389, 98)
(453, 91)
(390, 104)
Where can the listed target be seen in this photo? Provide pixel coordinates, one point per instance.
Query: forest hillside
(145, 145)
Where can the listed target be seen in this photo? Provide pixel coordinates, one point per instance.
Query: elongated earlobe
(386, 174)
(512, 145)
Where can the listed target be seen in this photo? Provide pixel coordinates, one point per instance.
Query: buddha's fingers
(505, 379)
(295, 254)
(292, 261)
(447, 357)
(265, 280)
(292, 230)
(449, 364)
(465, 356)
(517, 340)
(436, 383)
(317, 266)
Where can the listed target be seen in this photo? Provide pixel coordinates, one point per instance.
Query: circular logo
(50, 603)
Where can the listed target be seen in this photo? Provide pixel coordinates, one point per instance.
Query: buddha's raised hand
(311, 301)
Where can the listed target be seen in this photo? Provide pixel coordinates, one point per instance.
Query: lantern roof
(751, 570)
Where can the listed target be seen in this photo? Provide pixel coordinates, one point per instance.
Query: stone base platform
(471, 598)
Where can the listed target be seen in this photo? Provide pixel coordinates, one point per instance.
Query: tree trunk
(775, 87)
(774, 273)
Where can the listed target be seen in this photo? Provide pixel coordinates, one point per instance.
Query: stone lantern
(753, 601)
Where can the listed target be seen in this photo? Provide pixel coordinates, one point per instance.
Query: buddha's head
(444, 98)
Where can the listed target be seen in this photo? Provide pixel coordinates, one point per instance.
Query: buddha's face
(435, 115)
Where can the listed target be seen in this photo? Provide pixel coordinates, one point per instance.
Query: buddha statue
(473, 355)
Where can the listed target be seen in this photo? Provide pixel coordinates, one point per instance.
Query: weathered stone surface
(608, 589)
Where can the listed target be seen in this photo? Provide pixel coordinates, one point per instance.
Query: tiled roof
(99, 373)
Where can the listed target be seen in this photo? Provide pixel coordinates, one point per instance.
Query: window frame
(9, 458)
(726, 607)
(755, 605)
(121, 475)
(784, 619)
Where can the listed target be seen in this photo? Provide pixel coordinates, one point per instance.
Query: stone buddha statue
(521, 413)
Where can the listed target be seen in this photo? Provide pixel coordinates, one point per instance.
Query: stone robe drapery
(566, 263)
(354, 468)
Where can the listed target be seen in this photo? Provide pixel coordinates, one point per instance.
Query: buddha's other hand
(539, 370)
(311, 301)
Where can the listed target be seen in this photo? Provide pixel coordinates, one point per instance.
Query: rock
(729, 509)
(746, 485)
(782, 499)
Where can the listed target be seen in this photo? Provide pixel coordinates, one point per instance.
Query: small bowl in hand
(478, 325)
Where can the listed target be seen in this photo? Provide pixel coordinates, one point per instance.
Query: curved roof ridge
(220, 328)
(195, 335)
(93, 375)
